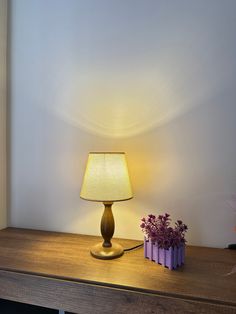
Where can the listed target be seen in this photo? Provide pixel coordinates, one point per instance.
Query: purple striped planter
(171, 258)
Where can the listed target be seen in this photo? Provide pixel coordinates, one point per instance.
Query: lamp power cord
(133, 248)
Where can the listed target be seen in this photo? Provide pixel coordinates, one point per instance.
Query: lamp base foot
(98, 251)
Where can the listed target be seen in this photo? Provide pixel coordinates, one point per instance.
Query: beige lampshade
(106, 178)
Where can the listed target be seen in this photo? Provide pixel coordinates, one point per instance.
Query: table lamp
(106, 180)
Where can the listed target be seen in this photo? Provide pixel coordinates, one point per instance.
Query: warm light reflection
(121, 107)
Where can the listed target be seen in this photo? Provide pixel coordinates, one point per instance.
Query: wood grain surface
(63, 261)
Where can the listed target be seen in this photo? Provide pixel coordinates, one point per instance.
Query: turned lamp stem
(106, 249)
(107, 224)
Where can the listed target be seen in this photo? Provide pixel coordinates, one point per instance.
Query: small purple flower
(151, 216)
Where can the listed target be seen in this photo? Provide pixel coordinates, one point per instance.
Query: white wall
(3, 107)
(155, 79)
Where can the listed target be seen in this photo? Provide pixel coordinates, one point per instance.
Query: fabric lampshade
(106, 178)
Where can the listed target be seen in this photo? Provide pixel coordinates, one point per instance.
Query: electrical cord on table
(133, 248)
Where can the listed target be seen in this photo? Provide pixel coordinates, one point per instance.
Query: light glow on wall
(122, 105)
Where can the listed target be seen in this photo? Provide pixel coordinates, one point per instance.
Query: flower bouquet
(162, 243)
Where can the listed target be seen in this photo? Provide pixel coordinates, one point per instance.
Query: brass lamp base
(99, 251)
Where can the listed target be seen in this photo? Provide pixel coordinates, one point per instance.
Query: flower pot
(171, 258)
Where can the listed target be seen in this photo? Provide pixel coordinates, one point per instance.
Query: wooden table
(56, 270)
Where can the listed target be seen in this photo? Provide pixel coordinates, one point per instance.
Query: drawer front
(84, 298)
